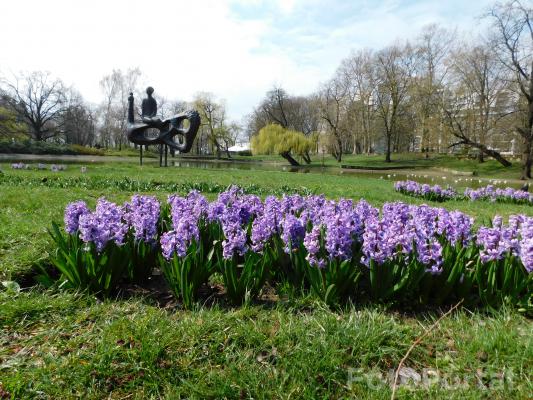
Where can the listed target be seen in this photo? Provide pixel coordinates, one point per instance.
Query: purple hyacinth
(526, 254)
(73, 212)
(142, 214)
(500, 239)
(103, 225)
(312, 245)
(263, 228)
(194, 204)
(234, 234)
(235, 238)
(178, 240)
(455, 226)
(343, 225)
(186, 214)
(430, 253)
(526, 242)
(292, 204)
(170, 244)
(401, 229)
(292, 232)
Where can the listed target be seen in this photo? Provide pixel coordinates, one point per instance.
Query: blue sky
(236, 49)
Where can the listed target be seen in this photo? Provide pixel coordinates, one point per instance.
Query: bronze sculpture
(149, 108)
(169, 128)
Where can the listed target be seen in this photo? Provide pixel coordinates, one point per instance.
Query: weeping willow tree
(10, 126)
(274, 139)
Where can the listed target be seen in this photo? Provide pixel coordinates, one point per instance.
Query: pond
(433, 177)
(430, 176)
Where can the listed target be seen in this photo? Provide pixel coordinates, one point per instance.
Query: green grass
(57, 344)
(72, 346)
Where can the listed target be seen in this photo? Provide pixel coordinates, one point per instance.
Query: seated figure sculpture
(149, 109)
(168, 128)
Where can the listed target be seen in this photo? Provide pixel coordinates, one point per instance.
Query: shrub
(34, 147)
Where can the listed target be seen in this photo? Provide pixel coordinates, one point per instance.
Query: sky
(235, 49)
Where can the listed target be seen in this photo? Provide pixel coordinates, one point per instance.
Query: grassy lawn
(59, 344)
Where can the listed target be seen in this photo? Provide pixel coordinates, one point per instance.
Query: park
(370, 239)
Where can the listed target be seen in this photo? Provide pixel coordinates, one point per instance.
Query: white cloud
(204, 45)
(286, 6)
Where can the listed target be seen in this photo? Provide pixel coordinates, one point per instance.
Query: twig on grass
(417, 341)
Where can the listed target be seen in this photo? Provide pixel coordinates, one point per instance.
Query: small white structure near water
(243, 146)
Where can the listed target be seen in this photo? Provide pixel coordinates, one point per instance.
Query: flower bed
(491, 193)
(335, 250)
(39, 166)
(488, 193)
(19, 165)
(425, 191)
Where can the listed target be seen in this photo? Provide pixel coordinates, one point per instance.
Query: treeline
(437, 93)
(39, 107)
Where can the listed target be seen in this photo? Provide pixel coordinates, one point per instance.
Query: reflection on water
(421, 177)
(249, 166)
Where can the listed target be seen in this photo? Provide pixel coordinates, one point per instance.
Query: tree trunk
(338, 153)
(527, 159)
(387, 155)
(489, 152)
(527, 134)
(306, 157)
(287, 156)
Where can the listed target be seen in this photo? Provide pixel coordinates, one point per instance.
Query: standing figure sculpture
(168, 128)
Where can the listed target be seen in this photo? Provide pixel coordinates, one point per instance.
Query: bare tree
(298, 113)
(213, 116)
(394, 70)
(333, 112)
(513, 38)
(461, 123)
(79, 122)
(432, 48)
(39, 101)
(114, 109)
(302, 114)
(109, 85)
(475, 108)
(274, 106)
(357, 72)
